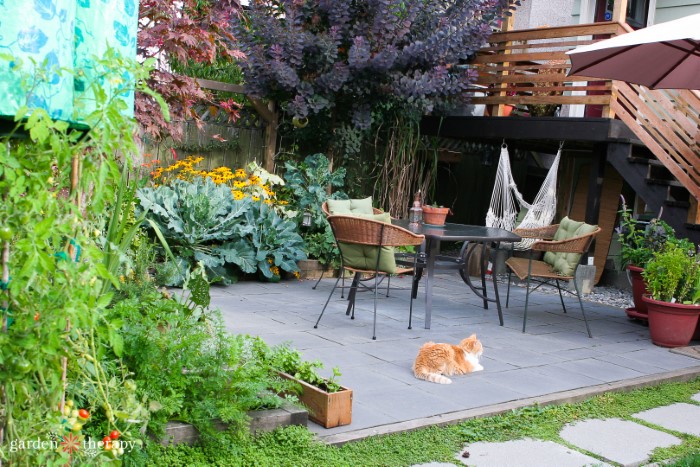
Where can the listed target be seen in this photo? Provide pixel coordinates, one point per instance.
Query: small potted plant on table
(673, 304)
(434, 214)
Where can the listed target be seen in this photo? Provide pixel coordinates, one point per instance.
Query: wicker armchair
(543, 272)
(349, 231)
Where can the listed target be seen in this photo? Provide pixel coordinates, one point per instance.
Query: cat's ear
(473, 336)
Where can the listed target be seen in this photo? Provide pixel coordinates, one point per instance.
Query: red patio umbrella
(663, 56)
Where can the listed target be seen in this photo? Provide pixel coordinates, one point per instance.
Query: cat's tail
(433, 377)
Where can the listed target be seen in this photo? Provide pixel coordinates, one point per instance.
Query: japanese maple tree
(184, 31)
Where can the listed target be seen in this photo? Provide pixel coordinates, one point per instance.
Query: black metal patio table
(472, 235)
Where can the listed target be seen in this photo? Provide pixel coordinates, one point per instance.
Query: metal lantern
(306, 219)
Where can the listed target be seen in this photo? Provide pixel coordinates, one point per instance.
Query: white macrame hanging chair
(503, 211)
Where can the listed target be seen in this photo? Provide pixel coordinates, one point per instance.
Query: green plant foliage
(286, 359)
(308, 183)
(640, 242)
(202, 222)
(673, 274)
(190, 367)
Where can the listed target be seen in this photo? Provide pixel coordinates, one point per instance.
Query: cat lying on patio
(435, 360)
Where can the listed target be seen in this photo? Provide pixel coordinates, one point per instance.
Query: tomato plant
(56, 298)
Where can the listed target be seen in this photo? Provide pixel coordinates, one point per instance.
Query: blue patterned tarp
(40, 39)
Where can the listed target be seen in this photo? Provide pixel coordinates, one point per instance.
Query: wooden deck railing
(529, 67)
(668, 123)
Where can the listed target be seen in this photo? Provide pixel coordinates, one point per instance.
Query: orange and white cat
(436, 360)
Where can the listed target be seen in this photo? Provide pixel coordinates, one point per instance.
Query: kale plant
(202, 222)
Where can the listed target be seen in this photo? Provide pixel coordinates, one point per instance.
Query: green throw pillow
(565, 263)
(365, 257)
(346, 207)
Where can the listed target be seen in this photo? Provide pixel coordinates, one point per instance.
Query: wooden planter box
(312, 269)
(327, 409)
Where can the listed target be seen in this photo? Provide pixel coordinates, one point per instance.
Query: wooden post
(271, 118)
(507, 26)
(271, 139)
(620, 11)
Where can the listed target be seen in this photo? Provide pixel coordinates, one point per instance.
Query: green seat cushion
(364, 256)
(565, 263)
(346, 207)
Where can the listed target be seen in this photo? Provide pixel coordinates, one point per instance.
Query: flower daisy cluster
(252, 181)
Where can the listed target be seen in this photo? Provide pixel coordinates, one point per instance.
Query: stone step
(524, 453)
(681, 417)
(620, 441)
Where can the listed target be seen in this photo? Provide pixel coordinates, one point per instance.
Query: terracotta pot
(671, 324)
(435, 216)
(639, 288)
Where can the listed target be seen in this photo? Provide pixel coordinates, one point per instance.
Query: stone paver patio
(553, 361)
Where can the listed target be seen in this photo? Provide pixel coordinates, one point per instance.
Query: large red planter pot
(671, 324)
(639, 288)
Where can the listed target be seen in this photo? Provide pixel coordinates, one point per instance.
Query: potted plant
(329, 403)
(673, 303)
(435, 214)
(639, 241)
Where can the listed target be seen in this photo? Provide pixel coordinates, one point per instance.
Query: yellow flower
(237, 194)
(256, 198)
(297, 275)
(240, 173)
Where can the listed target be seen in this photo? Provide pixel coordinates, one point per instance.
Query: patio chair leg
(326, 305)
(580, 302)
(561, 299)
(388, 283)
(510, 273)
(374, 325)
(527, 299)
(318, 281)
(352, 295)
(342, 286)
(484, 265)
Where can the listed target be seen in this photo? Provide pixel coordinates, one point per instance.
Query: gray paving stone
(616, 440)
(696, 397)
(525, 453)
(677, 417)
(600, 370)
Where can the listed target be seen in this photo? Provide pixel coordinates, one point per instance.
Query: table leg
(433, 251)
(484, 267)
(495, 287)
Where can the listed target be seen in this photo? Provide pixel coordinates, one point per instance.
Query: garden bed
(260, 421)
